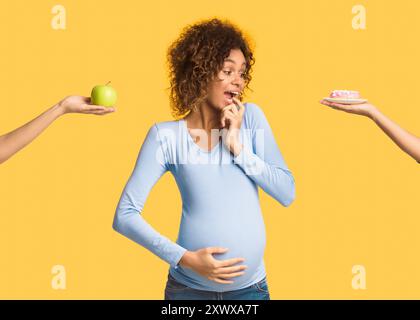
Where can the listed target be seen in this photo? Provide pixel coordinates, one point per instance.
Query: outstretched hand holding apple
(80, 104)
(103, 97)
(101, 101)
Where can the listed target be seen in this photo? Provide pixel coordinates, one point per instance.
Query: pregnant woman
(405, 140)
(17, 139)
(219, 152)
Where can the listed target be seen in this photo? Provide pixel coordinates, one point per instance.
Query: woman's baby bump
(242, 233)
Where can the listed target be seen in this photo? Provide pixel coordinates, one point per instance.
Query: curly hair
(196, 58)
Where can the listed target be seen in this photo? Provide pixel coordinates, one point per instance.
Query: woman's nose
(237, 81)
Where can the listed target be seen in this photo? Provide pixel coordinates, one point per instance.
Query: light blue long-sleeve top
(220, 202)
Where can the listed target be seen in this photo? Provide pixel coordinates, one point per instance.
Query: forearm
(276, 181)
(132, 225)
(17, 139)
(408, 142)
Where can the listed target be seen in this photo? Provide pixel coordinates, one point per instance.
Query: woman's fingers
(228, 107)
(211, 250)
(231, 269)
(222, 121)
(94, 108)
(90, 109)
(227, 114)
(230, 116)
(100, 111)
(326, 103)
(232, 112)
(103, 112)
(230, 262)
(234, 109)
(337, 106)
(240, 105)
(230, 275)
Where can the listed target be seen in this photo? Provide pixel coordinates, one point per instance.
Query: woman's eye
(227, 72)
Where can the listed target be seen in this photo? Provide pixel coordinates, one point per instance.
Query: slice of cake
(345, 94)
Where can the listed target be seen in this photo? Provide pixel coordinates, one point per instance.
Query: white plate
(346, 101)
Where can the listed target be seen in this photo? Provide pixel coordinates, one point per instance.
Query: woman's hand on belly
(203, 263)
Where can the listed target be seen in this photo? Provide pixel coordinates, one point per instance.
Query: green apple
(103, 95)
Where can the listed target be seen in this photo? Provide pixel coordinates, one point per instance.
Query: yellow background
(357, 193)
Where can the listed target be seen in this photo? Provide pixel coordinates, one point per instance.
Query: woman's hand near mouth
(231, 118)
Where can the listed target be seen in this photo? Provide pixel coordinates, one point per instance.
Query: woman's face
(229, 79)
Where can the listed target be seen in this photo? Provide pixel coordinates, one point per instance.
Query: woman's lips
(228, 96)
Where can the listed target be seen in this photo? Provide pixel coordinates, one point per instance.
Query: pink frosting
(346, 94)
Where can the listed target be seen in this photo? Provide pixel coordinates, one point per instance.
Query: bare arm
(17, 139)
(408, 142)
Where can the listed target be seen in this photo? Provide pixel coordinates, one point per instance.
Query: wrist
(232, 141)
(185, 260)
(58, 109)
(373, 113)
(236, 148)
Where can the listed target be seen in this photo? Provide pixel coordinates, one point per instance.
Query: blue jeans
(177, 291)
